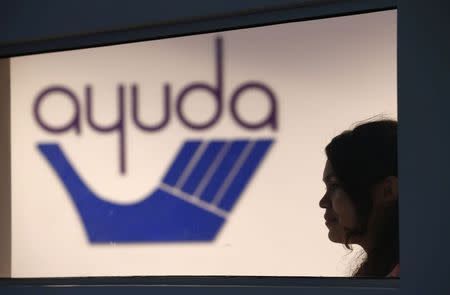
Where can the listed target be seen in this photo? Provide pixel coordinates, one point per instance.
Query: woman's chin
(334, 237)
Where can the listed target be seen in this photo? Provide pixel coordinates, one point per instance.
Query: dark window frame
(422, 72)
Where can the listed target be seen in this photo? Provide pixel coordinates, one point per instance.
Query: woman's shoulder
(395, 273)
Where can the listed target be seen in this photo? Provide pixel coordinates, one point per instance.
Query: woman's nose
(324, 202)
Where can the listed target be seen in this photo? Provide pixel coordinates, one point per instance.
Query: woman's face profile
(340, 213)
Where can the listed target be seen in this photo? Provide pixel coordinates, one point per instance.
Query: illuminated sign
(194, 155)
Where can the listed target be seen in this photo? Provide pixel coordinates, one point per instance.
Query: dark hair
(362, 158)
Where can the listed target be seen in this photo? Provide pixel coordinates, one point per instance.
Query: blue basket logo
(192, 202)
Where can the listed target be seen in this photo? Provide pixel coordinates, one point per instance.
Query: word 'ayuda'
(215, 91)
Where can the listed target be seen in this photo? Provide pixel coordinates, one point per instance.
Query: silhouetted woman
(361, 199)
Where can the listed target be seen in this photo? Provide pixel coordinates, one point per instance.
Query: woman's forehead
(328, 172)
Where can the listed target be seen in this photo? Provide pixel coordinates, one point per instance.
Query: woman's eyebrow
(328, 178)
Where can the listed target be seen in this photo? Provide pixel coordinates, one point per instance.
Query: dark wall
(48, 19)
(424, 139)
(36, 26)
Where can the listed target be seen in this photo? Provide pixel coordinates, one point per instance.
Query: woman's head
(362, 191)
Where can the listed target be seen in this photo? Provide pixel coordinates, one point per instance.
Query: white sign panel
(196, 155)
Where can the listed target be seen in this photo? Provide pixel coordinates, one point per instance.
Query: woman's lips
(329, 219)
(330, 222)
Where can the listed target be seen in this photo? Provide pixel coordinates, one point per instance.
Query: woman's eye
(332, 186)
